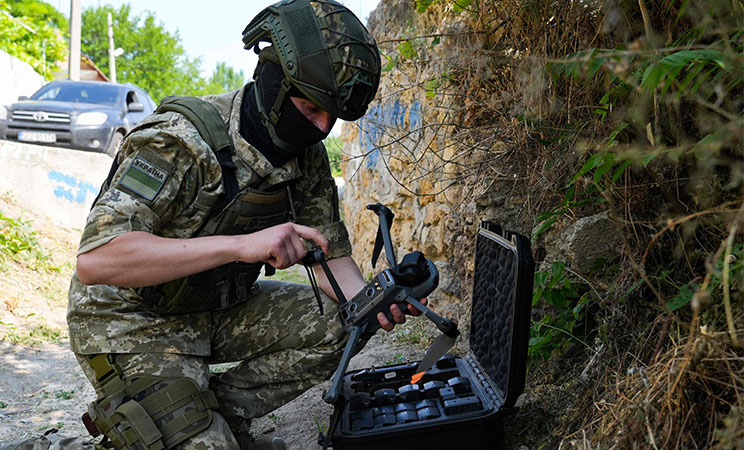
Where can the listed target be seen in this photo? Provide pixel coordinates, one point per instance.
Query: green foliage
(406, 49)
(19, 242)
(224, 79)
(458, 5)
(571, 199)
(686, 292)
(29, 30)
(431, 87)
(566, 303)
(689, 69)
(39, 10)
(154, 58)
(422, 5)
(334, 147)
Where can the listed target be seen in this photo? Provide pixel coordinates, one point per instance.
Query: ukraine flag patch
(144, 178)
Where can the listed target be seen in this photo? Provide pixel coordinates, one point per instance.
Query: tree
(30, 31)
(41, 12)
(154, 58)
(224, 79)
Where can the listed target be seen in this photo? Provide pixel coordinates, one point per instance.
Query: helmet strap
(266, 118)
(275, 113)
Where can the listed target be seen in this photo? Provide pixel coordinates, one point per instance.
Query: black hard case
(495, 366)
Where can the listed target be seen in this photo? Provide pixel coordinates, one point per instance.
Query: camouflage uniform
(283, 343)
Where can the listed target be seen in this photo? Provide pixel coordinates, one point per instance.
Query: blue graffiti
(70, 188)
(387, 121)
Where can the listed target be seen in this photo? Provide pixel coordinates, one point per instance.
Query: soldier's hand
(398, 315)
(281, 246)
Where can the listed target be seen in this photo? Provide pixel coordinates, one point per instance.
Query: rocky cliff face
(393, 157)
(420, 152)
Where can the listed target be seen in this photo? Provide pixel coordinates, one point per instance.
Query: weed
(413, 332)
(567, 301)
(3, 405)
(398, 358)
(38, 335)
(275, 419)
(322, 427)
(63, 394)
(19, 242)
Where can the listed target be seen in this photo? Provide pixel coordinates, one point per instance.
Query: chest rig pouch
(244, 211)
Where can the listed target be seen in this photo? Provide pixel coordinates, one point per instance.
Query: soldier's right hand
(281, 246)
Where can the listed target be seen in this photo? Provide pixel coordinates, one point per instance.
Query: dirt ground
(41, 384)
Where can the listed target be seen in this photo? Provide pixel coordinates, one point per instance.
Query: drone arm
(445, 325)
(333, 392)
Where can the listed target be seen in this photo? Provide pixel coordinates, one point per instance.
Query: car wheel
(114, 143)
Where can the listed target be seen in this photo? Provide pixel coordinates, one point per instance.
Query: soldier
(166, 273)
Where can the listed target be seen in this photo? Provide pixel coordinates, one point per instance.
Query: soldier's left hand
(398, 315)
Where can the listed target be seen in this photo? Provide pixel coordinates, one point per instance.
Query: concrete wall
(57, 182)
(16, 78)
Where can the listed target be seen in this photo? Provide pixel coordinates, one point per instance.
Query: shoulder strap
(208, 121)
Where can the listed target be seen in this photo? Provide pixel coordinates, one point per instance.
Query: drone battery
(460, 402)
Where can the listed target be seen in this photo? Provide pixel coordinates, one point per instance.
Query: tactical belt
(128, 415)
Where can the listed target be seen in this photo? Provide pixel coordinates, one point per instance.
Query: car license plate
(36, 136)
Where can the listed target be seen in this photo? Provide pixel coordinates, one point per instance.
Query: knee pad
(153, 413)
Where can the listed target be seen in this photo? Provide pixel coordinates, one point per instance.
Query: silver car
(85, 115)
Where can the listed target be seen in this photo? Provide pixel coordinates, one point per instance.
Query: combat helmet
(324, 51)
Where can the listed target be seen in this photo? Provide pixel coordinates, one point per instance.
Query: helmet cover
(324, 51)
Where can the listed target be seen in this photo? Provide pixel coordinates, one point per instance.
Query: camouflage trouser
(284, 347)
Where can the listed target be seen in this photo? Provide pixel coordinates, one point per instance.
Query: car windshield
(100, 94)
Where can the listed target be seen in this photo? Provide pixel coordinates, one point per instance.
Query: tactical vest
(242, 212)
(250, 211)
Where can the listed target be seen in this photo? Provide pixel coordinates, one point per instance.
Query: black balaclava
(293, 128)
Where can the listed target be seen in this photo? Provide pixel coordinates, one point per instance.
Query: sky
(209, 30)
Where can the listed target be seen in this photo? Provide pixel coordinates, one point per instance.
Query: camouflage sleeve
(160, 187)
(320, 202)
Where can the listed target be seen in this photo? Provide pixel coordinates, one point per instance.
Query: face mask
(296, 129)
(293, 128)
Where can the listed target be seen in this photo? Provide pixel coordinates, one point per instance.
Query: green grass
(398, 358)
(38, 335)
(414, 332)
(320, 425)
(292, 274)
